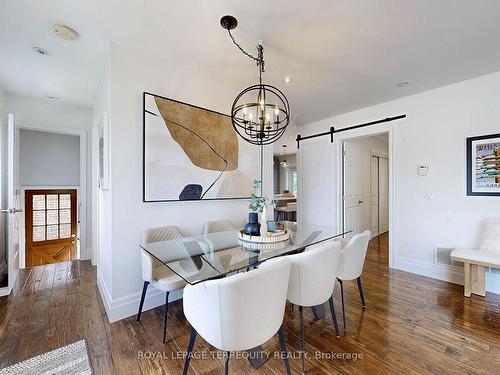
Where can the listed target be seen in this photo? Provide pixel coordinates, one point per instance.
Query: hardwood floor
(412, 324)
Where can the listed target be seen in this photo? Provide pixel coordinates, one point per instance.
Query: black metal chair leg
(343, 306)
(302, 350)
(143, 296)
(334, 317)
(226, 363)
(189, 351)
(165, 321)
(360, 288)
(284, 353)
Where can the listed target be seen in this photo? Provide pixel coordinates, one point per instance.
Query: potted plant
(257, 205)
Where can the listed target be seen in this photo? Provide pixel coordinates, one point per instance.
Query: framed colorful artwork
(483, 165)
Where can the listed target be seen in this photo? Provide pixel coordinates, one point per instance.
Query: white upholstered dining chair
(312, 281)
(217, 226)
(239, 312)
(351, 262)
(156, 274)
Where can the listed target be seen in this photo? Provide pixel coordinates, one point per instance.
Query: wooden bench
(475, 262)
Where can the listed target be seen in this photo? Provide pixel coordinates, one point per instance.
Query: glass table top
(215, 255)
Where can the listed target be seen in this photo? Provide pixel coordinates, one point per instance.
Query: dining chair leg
(189, 351)
(343, 306)
(143, 296)
(302, 350)
(334, 316)
(165, 321)
(226, 363)
(284, 353)
(360, 288)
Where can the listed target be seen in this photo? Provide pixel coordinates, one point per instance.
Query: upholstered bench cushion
(481, 258)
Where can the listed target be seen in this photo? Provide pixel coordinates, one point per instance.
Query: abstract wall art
(483, 165)
(192, 153)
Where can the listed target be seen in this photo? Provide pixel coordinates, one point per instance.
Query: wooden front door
(51, 226)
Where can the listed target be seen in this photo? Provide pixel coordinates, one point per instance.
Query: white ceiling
(342, 55)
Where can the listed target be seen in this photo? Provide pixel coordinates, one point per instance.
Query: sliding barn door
(51, 225)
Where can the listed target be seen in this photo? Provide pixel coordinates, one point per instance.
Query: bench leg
(477, 280)
(467, 281)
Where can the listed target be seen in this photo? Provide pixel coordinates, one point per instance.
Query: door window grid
(51, 217)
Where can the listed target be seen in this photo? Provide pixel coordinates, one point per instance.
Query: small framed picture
(483, 165)
(103, 137)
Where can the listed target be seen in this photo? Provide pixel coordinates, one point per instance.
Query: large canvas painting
(192, 153)
(483, 165)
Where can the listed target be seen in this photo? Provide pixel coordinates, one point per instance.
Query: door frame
(384, 128)
(81, 189)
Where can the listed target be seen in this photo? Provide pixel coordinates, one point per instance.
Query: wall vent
(442, 256)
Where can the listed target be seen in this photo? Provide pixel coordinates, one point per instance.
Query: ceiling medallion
(260, 113)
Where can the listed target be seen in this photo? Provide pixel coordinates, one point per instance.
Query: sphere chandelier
(260, 113)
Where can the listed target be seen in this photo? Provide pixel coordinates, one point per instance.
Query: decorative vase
(252, 228)
(263, 222)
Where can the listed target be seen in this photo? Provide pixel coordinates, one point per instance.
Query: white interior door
(374, 208)
(383, 195)
(13, 208)
(352, 188)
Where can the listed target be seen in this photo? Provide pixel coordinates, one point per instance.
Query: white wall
(50, 114)
(366, 146)
(130, 75)
(48, 159)
(434, 133)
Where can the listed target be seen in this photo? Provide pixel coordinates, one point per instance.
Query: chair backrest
(490, 237)
(161, 234)
(218, 226)
(242, 311)
(352, 256)
(313, 274)
(155, 235)
(291, 206)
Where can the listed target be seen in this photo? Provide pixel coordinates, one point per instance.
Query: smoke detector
(65, 32)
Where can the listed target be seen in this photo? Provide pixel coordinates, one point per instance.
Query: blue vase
(252, 228)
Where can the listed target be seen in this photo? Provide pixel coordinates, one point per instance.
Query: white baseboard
(436, 271)
(123, 307)
(443, 272)
(4, 291)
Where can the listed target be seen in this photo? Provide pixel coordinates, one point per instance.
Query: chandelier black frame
(268, 127)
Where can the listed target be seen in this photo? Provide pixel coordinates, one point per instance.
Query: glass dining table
(210, 256)
(216, 255)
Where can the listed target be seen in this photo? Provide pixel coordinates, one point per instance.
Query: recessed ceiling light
(65, 32)
(404, 83)
(287, 79)
(41, 51)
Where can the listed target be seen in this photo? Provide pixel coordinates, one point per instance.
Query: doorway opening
(365, 186)
(52, 179)
(285, 184)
